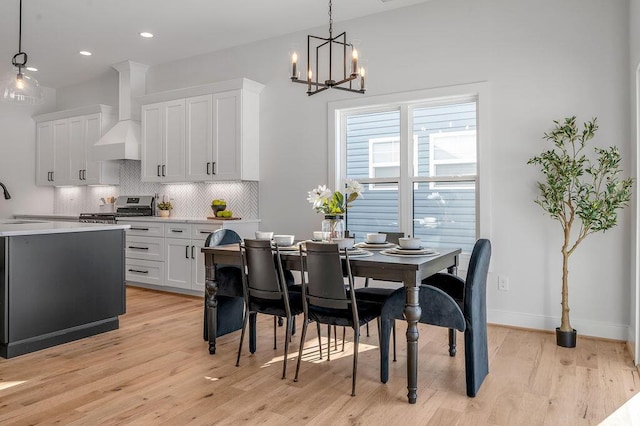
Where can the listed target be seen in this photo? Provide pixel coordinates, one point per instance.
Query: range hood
(122, 142)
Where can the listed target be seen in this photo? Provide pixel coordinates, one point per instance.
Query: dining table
(410, 270)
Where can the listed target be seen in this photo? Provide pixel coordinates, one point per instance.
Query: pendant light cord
(14, 61)
(330, 20)
(20, 30)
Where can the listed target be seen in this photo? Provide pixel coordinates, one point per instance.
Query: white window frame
(338, 110)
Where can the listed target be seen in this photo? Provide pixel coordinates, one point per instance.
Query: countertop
(49, 216)
(184, 219)
(17, 227)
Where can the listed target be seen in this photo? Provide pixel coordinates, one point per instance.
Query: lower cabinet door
(197, 267)
(178, 262)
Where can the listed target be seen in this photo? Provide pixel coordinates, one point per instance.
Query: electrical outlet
(503, 283)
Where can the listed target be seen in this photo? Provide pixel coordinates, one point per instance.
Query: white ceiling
(54, 31)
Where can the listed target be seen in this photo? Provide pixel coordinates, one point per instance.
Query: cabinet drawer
(177, 230)
(146, 229)
(202, 231)
(146, 248)
(144, 271)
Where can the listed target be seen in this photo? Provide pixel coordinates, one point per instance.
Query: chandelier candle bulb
(354, 56)
(362, 78)
(294, 65)
(309, 80)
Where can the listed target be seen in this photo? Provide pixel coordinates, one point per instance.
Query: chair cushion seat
(367, 311)
(276, 306)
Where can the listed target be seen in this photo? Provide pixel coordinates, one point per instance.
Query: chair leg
(356, 341)
(452, 342)
(386, 324)
(329, 343)
(393, 330)
(319, 338)
(366, 284)
(344, 333)
(252, 331)
(275, 345)
(244, 327)
(286, 347)
(335, 338)
(304, 333)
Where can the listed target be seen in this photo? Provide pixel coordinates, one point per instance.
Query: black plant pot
(566, 339)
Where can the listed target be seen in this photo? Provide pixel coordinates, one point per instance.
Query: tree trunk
(565, 324)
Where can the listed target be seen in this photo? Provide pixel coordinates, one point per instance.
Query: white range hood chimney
(122, 142)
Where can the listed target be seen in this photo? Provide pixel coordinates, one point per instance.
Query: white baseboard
(541, 322)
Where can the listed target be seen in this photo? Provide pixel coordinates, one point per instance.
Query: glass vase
(332, 227)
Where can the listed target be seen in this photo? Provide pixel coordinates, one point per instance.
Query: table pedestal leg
(211, 302)
(412, 312)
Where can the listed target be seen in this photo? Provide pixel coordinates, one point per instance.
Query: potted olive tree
(584, 195)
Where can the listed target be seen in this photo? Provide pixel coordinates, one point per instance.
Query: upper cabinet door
(77, 150)
(62, 165)
(152, 142)
(173, 166)
(227, 135)
(92, 134)
(45, 155)
(199, 150)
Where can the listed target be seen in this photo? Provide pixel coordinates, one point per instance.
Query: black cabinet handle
(213, 168)
(186, 251)
(138, 271)
(163, 170)
(158, 171)
(139, 248)
(84, 174)
(48, 176)
(176, 230)
(208, 168)
(192, 256)
(205, 232)
(53, 176)
(79, 174)
(139, 229)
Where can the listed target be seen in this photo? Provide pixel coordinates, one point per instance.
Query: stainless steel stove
(126, 206)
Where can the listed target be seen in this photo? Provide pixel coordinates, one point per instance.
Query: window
(417, 158)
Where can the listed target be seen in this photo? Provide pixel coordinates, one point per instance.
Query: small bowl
(376, 238)
(318, 235)
(283, 240)
(263, 235)
(409, 243)
(344, 243)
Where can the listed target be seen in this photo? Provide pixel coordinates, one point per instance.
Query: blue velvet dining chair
(448, 301)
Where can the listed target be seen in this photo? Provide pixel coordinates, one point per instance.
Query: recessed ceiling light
(85, 53)
(32, 69)
(146, 35)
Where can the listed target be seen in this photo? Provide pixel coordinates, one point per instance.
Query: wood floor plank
(156, 370)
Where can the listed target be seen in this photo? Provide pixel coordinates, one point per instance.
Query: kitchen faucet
(7, 196)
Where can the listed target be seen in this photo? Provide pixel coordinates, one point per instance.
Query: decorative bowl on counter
(218, 206)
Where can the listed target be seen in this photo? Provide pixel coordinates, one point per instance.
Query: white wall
(103, 90)
(18, 159)
(634, 73)
(543, 59)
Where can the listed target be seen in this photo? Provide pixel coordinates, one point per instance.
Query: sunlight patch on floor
(7, 385)
(312, 354)
(627, 415)
(212, 379)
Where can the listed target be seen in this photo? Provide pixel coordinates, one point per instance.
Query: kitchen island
(59, 281)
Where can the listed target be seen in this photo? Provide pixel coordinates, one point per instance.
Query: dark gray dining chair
(449, 301)
(325, 299)
(266, 290)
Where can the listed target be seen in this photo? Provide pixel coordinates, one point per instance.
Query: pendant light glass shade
(21, 88)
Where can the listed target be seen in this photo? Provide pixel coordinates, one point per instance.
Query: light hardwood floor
(156, 369)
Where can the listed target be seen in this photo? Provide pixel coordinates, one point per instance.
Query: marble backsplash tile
(188, 199)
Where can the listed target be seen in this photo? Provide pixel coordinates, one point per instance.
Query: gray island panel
(58, 287)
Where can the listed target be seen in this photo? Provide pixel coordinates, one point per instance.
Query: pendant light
(19, 87)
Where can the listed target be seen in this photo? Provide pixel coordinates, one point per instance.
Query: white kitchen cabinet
(63, 141)
(221, 133)
(165, 255)
(163, 141)
(45, 157)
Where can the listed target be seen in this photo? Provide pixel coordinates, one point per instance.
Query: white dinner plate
(405, 252)
(357, 253)
(375, 246)
(286, 248)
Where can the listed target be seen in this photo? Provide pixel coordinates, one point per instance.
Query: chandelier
(20, 87)
(325, 48)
